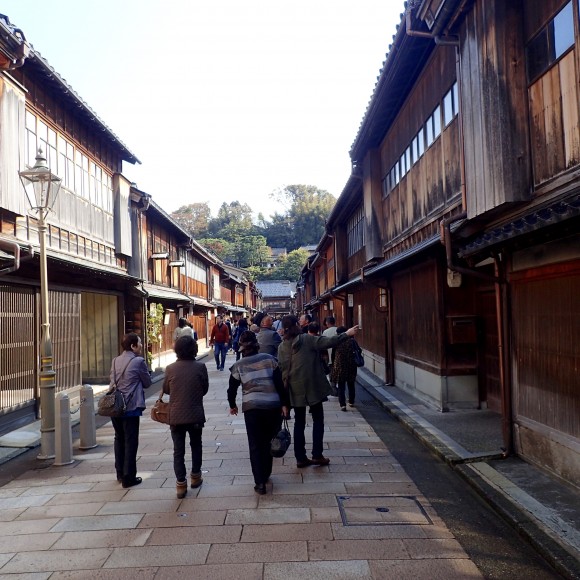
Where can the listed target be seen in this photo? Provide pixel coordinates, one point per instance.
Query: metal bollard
(62, 432)
(87, 426)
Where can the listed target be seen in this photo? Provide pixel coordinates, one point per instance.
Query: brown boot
(181, 488)
(196, 479)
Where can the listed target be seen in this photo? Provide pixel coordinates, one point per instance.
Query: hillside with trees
(236, 239)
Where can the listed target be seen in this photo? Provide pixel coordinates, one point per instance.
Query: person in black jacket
(186, 382)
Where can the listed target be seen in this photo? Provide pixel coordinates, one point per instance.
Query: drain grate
(382, 510)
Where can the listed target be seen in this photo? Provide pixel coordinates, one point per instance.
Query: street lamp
(42, 187)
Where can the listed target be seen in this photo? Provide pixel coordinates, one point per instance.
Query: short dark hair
(257, 320)
(314, 327)
(129, 340)
(182, 322)
(330, 320)
(185, 348)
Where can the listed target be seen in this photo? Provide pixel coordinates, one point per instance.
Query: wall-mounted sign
(350, 300)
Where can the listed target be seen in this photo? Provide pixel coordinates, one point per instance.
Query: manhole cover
(382, 510)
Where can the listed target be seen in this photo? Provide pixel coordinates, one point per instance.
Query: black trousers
(126, 444)
(317, 431)
(261, 426)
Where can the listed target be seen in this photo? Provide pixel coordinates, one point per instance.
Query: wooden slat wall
(99, 334)
(416, 322)
(554, 120)
(546, 327)
(18, 332)
(492, 86)
(65, 330)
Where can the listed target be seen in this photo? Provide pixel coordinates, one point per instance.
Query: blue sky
(221, 100)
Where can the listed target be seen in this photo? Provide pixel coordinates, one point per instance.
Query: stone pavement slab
(74, 522)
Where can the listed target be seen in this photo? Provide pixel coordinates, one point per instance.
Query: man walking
(220, 340)
(268, 338)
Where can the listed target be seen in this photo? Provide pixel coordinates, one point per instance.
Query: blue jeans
(220, 348)
(178, 433)
(317, 431)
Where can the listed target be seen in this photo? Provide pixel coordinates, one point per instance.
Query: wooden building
(278, 296)
(87, 247)
(456, 239)
(117, 262)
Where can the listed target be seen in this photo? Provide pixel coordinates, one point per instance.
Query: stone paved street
(360, 517)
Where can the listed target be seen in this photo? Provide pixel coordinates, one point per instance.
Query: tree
(248, 251)
(233, 219)
(194, 218)
(291, 265)
(221, 248)
(309, 208)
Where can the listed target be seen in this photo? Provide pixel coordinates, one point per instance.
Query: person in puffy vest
(264, 401)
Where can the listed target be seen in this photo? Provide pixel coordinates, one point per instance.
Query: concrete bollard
(87, 426)
(63, 454)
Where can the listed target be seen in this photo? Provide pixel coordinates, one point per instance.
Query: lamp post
(42, 187)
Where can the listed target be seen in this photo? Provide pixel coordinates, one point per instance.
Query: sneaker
(351, 404)
(196, 480)
(343, 408)
(320, 460)
(181, 488)
(304, 463)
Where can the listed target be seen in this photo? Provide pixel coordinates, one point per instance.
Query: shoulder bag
(160, 410)
(359, 359)
(112, 403)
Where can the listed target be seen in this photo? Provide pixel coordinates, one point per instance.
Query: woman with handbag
(130, 375)
(264, 401)
(344, 370)
(303, 374)
(186, 382)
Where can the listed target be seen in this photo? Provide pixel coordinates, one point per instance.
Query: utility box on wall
(462, 329)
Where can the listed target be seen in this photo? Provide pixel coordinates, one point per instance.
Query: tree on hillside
(233, 219)
(309, 208)
(290, 266)
(248, 251)
(220, 247)
(194, 218)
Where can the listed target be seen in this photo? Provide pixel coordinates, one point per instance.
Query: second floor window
(79, 174)
(355, 233)
(550, 43)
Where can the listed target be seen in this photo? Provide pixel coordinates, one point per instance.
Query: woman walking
(303, 374)
(129, 372)
(344, 370)
(186, 382)
(264, 401)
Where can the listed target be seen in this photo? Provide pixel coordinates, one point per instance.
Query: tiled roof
(276, 288)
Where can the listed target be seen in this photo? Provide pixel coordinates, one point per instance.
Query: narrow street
(383, 508)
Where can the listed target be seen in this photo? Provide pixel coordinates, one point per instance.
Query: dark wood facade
(466, 184)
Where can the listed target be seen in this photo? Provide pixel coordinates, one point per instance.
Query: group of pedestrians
(276, 370)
